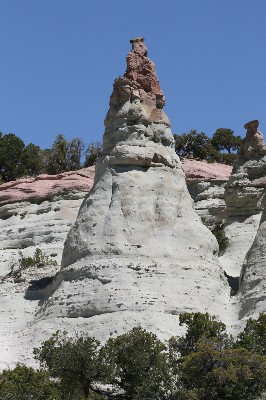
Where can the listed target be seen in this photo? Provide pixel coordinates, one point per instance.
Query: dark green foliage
(204, 364)
(57, 161)
(24, 383)
(140, 365)
(222, 240)
(217, 230)
(74, 154)
(194, 144)
(214, 373)
(253, 336)
(92, 153)
(198, 326)
(11, 149)
(198, 145)
(210, 366)
(32, 162)
(226, 158)
(224, 139)
(220, 235)
(75, 361)
(65, 155)
(37, 260)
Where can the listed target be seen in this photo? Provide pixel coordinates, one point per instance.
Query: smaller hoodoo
(248, 183)
(243, 193)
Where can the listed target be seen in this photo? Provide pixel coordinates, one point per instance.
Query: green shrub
(222, 239)
(37, 260)
(218, 231)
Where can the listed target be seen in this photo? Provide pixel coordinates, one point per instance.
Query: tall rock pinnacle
(137, 250)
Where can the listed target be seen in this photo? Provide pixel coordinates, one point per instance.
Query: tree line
(18, 160)
(206, 363)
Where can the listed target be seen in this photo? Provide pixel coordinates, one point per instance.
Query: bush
(206, 363)
(140, 365)
(221, 237)
(76, 362)
(24, 383)
(37, 260)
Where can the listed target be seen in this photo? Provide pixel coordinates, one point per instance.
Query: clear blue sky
(59, 59)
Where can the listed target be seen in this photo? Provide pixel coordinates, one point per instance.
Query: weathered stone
(138, 254)
(253, 274)
(243, 192)
(245, 228)
(137, 245)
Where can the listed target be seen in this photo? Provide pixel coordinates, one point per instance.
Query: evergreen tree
(11, 149)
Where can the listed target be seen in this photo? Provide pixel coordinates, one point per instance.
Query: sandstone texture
(44, 187)
(138, 254)
(245, 224)
(253, 274)
(132, 245)
(244, 191)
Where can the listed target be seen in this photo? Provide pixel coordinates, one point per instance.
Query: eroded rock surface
(245, 228)
(44, 187)
(138, 252)
(206, 184)
(244, 191)
(253, 275)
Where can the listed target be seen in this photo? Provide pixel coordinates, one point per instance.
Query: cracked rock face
(138, 249)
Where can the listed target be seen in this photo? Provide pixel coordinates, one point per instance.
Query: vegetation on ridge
(206, 363)
(17, 160)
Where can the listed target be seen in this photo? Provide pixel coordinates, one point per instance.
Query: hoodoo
(246, 190)
(138, 254)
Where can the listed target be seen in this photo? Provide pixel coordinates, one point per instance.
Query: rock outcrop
(206, 184)
(244, 190)
(138, 252)
(44, 187)
(253, 274)
(38, 212)
(245, 225)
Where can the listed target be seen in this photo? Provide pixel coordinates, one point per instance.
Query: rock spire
(138, 249)
(243, 193)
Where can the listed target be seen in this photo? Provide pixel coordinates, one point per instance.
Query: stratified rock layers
(138, 249)
(245, 226)
(253, 275)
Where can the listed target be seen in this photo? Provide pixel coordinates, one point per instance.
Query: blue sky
(59, 59)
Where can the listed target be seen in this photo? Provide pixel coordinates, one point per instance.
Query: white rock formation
(245, 201)
(138, 253)
(253, 275)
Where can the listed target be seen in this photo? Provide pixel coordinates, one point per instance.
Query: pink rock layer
(46, 186)
(204, 170)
